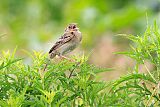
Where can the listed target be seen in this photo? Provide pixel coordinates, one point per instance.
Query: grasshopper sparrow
(67, 42)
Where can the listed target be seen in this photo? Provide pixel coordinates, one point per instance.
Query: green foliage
(70, 84)
(63, 83)
(139, 89)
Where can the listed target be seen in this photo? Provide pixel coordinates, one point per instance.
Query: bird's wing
(66, 37)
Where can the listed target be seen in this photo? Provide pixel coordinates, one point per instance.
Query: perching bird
(67, 42)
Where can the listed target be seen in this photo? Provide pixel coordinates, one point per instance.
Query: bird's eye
(74, 27)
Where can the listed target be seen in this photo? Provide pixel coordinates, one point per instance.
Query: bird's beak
(71, 30)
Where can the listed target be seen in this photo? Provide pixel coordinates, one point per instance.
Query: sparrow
(67, 42)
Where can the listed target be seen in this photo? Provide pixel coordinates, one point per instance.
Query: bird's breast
(78, 36)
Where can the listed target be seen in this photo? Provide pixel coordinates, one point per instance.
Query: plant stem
(71, 72)
(154, 91)
(149, 72)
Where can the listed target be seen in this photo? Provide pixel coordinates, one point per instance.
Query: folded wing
(62, 40)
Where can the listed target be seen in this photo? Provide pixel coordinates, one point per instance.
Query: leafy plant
(73, 84)
(62, 84)
(142, 89)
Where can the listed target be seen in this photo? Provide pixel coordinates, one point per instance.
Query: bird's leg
(64, 57)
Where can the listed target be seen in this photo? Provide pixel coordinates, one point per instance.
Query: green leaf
(9, 63)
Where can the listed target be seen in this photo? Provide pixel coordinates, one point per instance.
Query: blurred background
(37, 24)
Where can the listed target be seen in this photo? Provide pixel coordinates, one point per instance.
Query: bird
(71, 38)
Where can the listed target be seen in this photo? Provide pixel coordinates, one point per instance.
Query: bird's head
(72, 27)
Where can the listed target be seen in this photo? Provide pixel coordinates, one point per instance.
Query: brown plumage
(66, 43)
